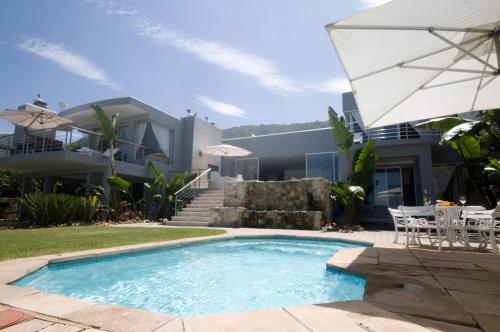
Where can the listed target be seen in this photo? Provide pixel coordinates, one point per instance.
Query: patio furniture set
(453, 224)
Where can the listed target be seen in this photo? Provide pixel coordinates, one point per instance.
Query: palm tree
(109, 133)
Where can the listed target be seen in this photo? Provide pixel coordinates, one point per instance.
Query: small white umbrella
(411, 60)
(226, 150)
(34, 117)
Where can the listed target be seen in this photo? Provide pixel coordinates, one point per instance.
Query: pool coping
(355, 261)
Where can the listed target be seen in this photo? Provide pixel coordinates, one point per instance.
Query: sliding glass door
(388, 187)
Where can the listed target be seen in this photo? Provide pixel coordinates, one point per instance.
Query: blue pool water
(211, 277)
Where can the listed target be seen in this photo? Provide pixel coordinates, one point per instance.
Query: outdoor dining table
(448, 215)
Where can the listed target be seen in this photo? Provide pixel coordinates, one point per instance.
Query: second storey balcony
(28, 151)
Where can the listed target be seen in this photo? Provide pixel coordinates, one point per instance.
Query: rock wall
(293, 204)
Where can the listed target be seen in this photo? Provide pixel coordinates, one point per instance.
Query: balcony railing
(397, 132)
(72, 139)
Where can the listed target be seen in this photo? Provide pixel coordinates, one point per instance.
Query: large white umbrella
(410, 60)
(226, 150)
(34, 117)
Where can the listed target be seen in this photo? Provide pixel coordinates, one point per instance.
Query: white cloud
(228, 57)
(67, 60)
(366, 4)
(112, 8)
(263, 71)
(220, 107)
(334, 85)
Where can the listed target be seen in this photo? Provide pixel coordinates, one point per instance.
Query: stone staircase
(196, 213)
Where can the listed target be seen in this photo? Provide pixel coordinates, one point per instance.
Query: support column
(46, 184)
(107, 189)
(426, 175)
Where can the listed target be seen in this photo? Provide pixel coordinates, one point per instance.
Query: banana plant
(464, 135)
(155, 189)
(351, 199)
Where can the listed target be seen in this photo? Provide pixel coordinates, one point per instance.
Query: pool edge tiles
(295, 248)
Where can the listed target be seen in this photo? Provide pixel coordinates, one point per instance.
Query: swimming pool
(210, 277)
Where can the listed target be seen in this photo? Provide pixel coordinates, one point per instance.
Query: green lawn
(42, 241)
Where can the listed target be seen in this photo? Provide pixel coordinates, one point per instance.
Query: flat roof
(276, 134)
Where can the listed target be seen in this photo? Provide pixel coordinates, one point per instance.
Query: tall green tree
(109, 133)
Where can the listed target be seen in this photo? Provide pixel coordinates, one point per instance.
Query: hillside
(249, 130)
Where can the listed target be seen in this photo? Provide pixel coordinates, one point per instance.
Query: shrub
(88, 209)
(57, 209)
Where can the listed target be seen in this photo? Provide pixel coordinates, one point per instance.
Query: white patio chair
(397, 219)
(458, 222)
(216, 181)
(485, 224)
(418, 218)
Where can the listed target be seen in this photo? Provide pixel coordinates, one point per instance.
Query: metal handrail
(193, 181)
(186, 193)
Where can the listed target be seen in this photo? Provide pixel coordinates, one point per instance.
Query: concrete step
(190, 218)
(195, 209)
(195, 214)
(203, 205)
(208, 200)
(210, 197)
(187, 223)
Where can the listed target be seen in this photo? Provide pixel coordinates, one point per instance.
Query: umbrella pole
(496, 39)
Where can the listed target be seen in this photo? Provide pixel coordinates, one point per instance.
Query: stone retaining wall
(293, 204)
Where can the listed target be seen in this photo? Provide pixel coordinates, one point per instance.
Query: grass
(20, 243)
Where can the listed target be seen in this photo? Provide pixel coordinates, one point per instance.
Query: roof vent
(63, 106)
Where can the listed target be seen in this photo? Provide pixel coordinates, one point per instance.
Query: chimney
(39, 101)
(63, 106)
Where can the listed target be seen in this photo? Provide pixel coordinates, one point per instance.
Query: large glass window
(158, 142)
(248, 168)
(324, 165)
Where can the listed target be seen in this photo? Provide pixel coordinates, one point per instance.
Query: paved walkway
(416, 289)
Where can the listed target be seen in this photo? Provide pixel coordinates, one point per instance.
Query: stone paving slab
(9, 293)
(477, 286)
(464, 274)
(421, 303)
(440, 326)
(48, 304)
(449, 264)
(488, 323)
(478, 303)
(116, 318)
(33, 325)
(351, 316)
(62, 328)
(270, 320)
(175, 325)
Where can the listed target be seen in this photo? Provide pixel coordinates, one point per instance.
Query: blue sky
(237, 62)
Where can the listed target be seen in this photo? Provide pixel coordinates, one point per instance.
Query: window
(158, 141)
(324, 165)
(248, 168)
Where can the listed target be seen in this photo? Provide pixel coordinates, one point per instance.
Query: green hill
(264, 129)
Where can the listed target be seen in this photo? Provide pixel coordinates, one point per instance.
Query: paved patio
(416, 289)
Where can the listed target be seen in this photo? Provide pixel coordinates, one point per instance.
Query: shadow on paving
(454, 290)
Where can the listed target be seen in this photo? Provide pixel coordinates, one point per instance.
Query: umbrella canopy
(410, 60)
(34, 117)
(226, 150)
